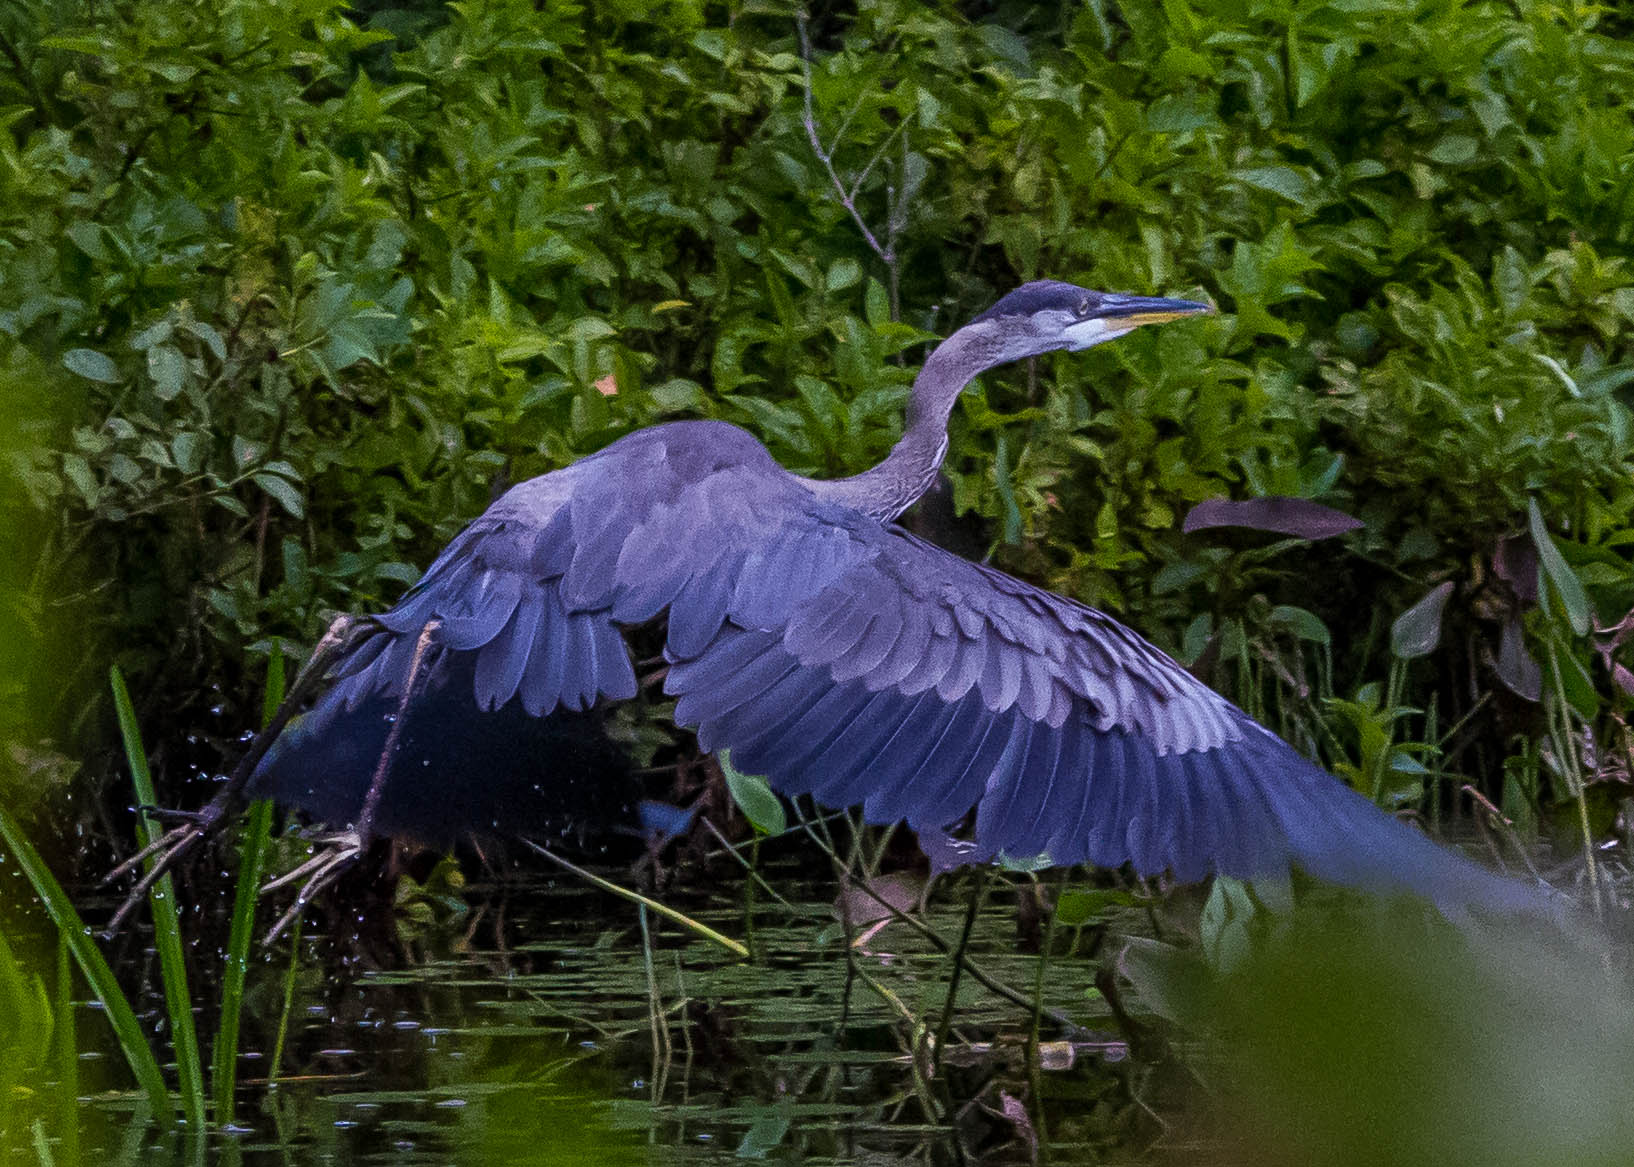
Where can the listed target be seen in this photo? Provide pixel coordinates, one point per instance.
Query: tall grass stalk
(252, 857)
(978, 892)
(66, 1052)
(1565, 744)
(289, 1004)
(93, 966)
(167, 932)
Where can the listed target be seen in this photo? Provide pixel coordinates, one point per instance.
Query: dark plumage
(455, 770)
(842, 657)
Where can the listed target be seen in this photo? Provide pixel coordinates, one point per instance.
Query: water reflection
(540, 1026)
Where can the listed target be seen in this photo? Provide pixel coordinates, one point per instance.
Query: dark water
(538, 1022)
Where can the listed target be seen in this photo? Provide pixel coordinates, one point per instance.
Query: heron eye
(1083, 308)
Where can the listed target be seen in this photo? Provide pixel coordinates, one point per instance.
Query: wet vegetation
(289, 291)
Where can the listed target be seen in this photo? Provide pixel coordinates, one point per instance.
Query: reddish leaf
(863, 904)
(1015, 1111)
(1298, 517)
(1515, 561)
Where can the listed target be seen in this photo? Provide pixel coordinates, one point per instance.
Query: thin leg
(344, 849)
(377, 784)
(178, 842)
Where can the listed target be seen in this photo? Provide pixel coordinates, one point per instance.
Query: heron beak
(1130, 312)
(1117, 316)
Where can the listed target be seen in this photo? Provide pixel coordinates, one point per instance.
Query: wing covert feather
(848, 659)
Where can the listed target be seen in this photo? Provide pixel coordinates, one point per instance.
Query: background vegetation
(288, 291)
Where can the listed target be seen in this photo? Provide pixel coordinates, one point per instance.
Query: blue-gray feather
(843, 657)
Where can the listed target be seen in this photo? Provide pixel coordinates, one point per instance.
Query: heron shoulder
(693, 450)
(654, 462)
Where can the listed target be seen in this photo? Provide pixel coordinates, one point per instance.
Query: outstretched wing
(921, 685)
(848, 660)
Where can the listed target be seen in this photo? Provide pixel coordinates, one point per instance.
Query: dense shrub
(304, 285)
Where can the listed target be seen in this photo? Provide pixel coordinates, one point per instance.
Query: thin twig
(847, 199)
(977, 973)
(977, 894)
(748, 868)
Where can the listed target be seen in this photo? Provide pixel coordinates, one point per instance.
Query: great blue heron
(840, 656)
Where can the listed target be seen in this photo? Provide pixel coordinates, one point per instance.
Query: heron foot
(163, 854)
(168, 850)
(333, 857)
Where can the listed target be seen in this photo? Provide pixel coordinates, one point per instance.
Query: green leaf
(168, 368)
(1573, 680)
(1304, 624)
(1559, 573)
(1077, 907)
(88, 238)
(754, 798)
(1285, 181)
(116, 1007)
(1454, 150)
(281, 490)
(187, 449)
(209, 336)
(876, 305)
(767, 1130)
(1417, 631)
(167, 933)
(92, 365)
(842, 274)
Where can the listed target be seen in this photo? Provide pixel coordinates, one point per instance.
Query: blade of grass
(289, 1004)
(167, 933)
(42, 1145)
(67, 1055)
(251, 862)
(664, 910)
(132, 1041)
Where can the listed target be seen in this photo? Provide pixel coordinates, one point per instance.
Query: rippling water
(538, 1022)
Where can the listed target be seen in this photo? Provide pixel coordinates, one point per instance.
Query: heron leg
(338, 852)
(377, 784)
(170, 848)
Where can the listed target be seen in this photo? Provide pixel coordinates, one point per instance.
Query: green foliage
(1369, 1035)
(312, 282)
(752, 796)
(93, 966)
(167, 934)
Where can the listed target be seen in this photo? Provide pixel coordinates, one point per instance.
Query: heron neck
(891, 487)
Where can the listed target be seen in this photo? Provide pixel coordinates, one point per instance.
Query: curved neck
(890, 488)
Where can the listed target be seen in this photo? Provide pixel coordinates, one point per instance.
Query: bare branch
(847, 199)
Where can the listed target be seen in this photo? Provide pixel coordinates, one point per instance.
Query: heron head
(1047, 315)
